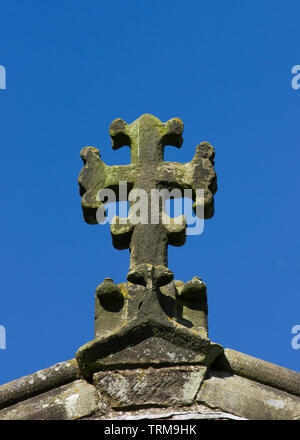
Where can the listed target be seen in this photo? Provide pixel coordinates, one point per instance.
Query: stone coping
(39, 382)
(259, 371)
(231, 360)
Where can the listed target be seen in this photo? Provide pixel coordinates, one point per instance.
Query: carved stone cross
(147, 137)
(150, 319)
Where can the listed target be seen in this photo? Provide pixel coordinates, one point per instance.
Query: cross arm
(96, 175)
(197, 174)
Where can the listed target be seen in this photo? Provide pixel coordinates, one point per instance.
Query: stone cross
(147, 137)
(151, 319)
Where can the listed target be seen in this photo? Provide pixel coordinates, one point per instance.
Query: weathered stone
(175, 386)
(174, 339)
(151, 307)
(68, 402)
(191, 303)
(146, 344)
(110, 296)
(246, 398)
(39, 382)
(119, 310)
(174, 323)
(259, 370)
(147, 137)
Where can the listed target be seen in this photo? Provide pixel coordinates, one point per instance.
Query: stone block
(68, 402)
(246, 398)
(173, 386)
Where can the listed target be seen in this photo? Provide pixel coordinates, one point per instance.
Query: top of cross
(147, 137)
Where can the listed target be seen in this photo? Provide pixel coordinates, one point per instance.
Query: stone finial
(151, 319)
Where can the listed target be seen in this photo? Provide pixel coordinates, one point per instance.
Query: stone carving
(147, 137)
(150, 319)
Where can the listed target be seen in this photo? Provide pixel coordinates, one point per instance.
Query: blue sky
(224, 68)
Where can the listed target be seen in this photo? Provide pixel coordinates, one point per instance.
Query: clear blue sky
(224, 68)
